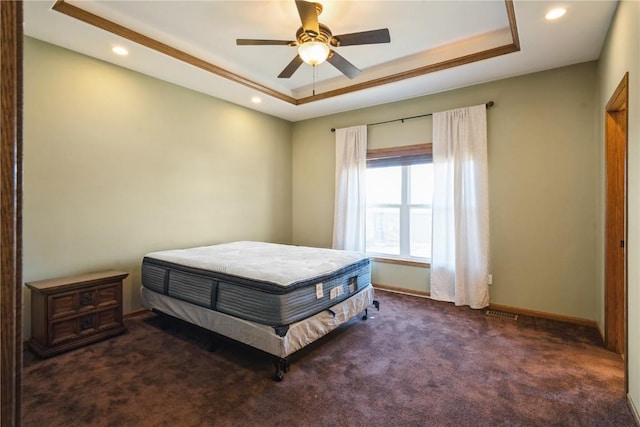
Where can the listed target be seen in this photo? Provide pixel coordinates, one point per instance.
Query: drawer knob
(86, 298)
(86, 323)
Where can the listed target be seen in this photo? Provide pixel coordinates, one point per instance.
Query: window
(399, 193)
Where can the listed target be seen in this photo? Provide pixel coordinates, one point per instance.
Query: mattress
(267, 283)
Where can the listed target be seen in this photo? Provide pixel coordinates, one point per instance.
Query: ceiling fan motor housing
(325, 35)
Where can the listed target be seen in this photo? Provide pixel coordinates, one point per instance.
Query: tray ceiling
(435, 45)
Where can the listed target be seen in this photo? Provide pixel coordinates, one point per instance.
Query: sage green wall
(117, 164)
(619, 56)
(542, 158)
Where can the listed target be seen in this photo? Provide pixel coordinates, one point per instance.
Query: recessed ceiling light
(555, 13)
(256, 99)
(119, 50)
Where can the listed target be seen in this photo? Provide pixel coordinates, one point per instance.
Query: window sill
(401, 261)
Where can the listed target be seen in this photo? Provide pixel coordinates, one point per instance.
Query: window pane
(383, 230)
(420, 231)
(384, 185)
(421, 191)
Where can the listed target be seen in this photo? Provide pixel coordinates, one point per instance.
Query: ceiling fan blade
(254, 42)
(364, 37)
(291, 68)
(345, 67)
(309, 16)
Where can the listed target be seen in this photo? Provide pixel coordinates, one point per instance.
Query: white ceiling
(422, 33)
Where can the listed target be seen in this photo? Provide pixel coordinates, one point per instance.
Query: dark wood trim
(616, 119)
(135, 313)
(117, 29)
(544, 315)
(397, 290)
(73, 11)
(11, 213)
(618, 100)
(416, 72)
(513, 25)
(499, 307)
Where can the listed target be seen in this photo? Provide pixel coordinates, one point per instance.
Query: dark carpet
(416, 362)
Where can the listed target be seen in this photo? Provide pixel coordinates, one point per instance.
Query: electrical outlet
(490, 280)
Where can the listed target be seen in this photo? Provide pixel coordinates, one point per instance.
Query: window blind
(399, 156)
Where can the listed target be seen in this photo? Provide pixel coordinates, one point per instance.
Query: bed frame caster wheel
(165, 322)
(282, 366)
(376, 304)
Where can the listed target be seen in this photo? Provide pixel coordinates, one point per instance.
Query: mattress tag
(319, 291)
(352, 285)
(336, 292)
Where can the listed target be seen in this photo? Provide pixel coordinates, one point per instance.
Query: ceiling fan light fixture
(314, 52)
(555, 13)
(119, 50)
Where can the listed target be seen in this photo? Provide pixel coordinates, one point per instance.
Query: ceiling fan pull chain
(315, 70)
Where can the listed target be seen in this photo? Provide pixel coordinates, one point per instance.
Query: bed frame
(263, 337)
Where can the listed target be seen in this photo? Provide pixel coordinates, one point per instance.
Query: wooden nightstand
(71, 312)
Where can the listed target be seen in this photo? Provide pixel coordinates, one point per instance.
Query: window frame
(400, 156)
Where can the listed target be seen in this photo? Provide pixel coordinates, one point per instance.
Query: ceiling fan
(315, 42)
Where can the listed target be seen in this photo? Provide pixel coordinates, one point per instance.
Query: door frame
(11, 213)
(616, 217)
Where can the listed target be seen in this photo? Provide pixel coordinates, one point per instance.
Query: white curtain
(350, 203)
(460, 240)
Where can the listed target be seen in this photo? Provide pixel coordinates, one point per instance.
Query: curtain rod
(488, 105)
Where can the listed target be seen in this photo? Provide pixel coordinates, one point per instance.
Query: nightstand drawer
(63, 331)
(108, 319)
(68, 313)
(84, 325)
(109, 295)
(63, 305)
(71, 303)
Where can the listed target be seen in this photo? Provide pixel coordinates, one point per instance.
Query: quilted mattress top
(279, 264)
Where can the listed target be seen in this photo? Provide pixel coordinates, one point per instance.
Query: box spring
(262, 337)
